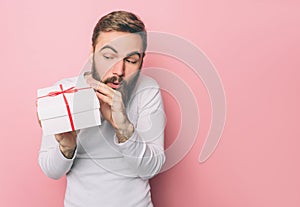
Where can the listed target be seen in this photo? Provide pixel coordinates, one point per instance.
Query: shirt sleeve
(51, 160)
(144, 150)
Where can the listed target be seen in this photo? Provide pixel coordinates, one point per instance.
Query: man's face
(117, 57)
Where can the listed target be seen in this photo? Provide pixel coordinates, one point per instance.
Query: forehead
(122, 42)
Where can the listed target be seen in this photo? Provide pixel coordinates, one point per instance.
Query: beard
(126, 87)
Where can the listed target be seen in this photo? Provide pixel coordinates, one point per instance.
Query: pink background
(254, 46)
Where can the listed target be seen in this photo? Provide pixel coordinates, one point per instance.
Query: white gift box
(67, 107)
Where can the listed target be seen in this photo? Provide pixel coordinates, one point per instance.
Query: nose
(119, 68)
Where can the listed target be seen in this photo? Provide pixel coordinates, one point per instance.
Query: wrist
(124, 133)
(67, 152)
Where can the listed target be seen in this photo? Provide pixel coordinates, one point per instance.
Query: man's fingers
(102, 86)
(61, 136)
(74, 134)
(105, 93)
(58, 137)
(91, 81)
(104, 98)
(105, 90)
(99, 86)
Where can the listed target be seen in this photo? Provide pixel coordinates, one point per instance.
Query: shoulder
(146, 91)
(145, 83)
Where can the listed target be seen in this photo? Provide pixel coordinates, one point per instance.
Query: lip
(113, 85)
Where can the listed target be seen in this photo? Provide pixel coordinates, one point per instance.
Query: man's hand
(67, 143)
(112, 108)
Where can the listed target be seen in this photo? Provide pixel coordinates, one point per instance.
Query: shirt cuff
(133, 138)
(134, 147)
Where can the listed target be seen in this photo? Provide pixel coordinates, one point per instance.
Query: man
(109, 165)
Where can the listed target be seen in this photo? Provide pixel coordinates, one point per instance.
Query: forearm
(146, 159)
(52, 161)
(124, 132)
(144, 150)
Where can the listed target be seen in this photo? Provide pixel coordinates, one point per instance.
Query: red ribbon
(55, 93)
(69, 90)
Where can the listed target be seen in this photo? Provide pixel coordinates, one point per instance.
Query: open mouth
(114, 82)
(114, 85)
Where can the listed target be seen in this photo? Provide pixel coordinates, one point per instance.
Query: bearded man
(110, 165)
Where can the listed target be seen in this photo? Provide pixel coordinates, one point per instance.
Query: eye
(131, 60)
(108, 56)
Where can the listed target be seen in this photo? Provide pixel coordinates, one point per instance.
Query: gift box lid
(52, 101)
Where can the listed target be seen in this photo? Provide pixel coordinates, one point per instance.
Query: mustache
(113, 79)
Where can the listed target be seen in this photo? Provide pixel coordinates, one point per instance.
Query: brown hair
(120, 21)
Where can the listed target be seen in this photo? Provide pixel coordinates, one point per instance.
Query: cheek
(130, 72)
(103, 70)
(105, 75)
(101, 67)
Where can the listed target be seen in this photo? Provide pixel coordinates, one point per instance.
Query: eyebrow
(114, 50)
(133, 53)
(108, 47)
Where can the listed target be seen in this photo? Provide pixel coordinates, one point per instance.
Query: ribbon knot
(56, 93)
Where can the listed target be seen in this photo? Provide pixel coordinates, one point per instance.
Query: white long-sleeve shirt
(104, 172)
